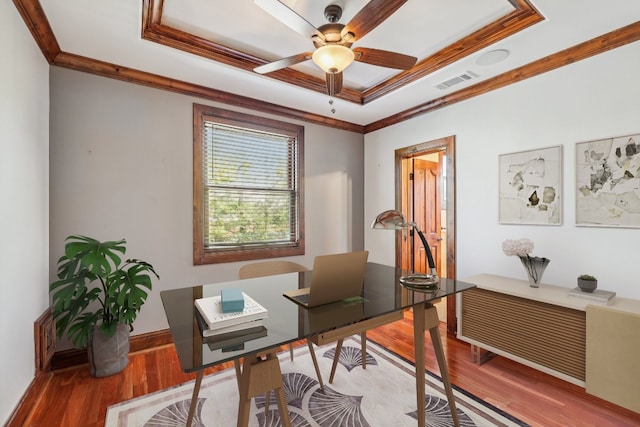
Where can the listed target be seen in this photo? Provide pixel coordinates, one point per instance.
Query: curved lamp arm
(432, 264)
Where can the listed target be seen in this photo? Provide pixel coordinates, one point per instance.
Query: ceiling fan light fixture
(333, 58)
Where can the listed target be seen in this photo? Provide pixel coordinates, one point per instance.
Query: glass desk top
(287, 321)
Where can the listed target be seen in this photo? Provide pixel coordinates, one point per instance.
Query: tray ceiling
(217, 43)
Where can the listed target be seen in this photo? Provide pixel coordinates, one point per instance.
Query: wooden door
(426, 212)
(441, 149)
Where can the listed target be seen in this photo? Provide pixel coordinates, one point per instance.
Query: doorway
(425, 194)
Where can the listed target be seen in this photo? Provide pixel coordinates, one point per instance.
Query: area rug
(382, 395)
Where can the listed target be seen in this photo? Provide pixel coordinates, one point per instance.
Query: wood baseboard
(74, 357)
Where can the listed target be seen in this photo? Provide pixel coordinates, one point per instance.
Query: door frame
(403, 204)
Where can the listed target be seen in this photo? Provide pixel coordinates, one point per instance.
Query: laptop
(333, 278)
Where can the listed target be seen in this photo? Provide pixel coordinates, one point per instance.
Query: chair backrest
(269, 268)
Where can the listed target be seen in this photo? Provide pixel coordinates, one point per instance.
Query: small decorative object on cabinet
(96, 299)
(587, 283)
(533, 265)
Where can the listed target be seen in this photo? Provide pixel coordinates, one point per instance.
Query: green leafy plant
(587, 277)
(95, 287)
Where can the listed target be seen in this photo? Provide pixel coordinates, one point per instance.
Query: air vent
(455, 80)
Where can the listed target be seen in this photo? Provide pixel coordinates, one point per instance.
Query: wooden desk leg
(267, 398)
(418, 340)
(336, 357)
(315, 363)
(238, 368)
(194, 398)
(363, 340)
(432, 323)
(258, 377)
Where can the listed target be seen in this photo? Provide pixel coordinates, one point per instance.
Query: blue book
(232, 300)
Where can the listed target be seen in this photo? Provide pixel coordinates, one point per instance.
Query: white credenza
(581, 341)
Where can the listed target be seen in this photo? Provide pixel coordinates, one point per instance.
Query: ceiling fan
(333, 40)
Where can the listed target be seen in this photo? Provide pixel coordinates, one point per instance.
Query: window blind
(251, 192)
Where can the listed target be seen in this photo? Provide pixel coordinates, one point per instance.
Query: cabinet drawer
(356, 328)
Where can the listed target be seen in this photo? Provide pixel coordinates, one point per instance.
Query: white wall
(121, 167)
(594, 98)
(24, 205)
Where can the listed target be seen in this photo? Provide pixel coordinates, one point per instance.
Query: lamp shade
(390, 220)
(333, 58)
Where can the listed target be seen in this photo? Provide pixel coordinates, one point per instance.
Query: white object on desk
(211, 310)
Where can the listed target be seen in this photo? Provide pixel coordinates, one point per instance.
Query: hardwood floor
(71, 397)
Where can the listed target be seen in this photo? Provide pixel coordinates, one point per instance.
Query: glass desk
(287, 322)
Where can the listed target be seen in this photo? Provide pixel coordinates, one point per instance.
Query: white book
(245, 326)
(233, 341)
(240, 328)
(211, 310)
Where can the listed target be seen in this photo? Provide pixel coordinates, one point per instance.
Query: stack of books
(215, 322)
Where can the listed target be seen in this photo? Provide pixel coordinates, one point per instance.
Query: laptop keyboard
(304, 298)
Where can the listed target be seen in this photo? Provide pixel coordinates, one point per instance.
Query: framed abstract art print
(608, 182)
(531, 187)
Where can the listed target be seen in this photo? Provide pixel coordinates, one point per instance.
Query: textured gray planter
(109, 355)
(587, 285)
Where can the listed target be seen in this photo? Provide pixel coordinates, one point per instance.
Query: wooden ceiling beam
(596, 46)
(523, 16)
(34, 17)
(37, 22)
(105, 69)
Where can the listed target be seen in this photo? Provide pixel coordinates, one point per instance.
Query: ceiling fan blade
(282, 63)
(370, 16)
(288, 17)
(334, 83)
(384, 58)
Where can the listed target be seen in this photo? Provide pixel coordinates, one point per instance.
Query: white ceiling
(110, 30)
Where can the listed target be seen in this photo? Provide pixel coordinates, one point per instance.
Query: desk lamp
(394, 220)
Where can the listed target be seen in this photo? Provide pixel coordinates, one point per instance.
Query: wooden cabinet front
(544, 334)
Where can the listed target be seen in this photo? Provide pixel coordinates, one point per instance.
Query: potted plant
(96, 299)
(587, 283)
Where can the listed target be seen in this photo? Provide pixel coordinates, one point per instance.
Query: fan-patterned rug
(382, 395)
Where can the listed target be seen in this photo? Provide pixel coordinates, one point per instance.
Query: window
(247, 190)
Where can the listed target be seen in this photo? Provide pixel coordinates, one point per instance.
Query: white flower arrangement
(534, 266)
(521, 247)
